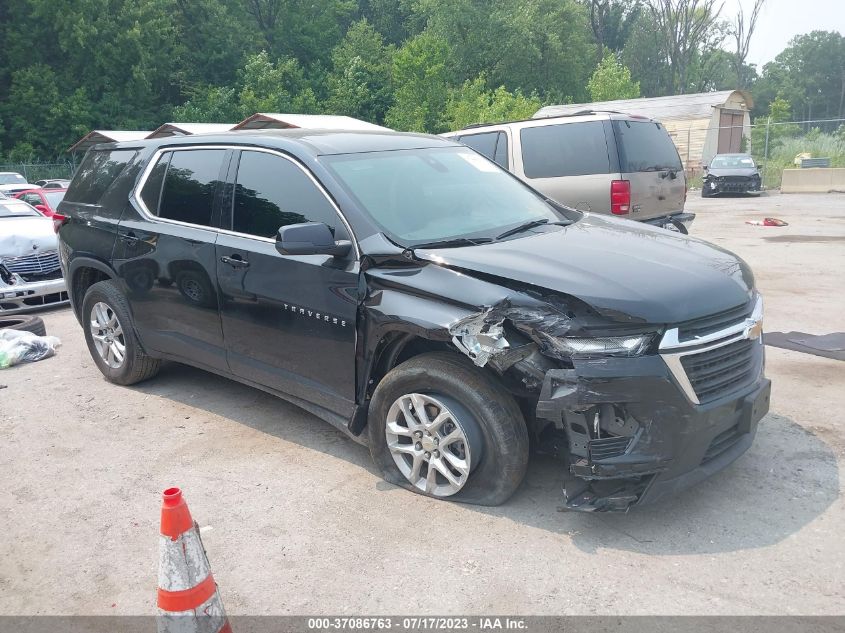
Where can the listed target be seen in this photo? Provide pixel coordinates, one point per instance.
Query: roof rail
(548, 116)
(581, 113)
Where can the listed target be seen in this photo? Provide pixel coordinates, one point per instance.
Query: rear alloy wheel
(442, 427)
(111, 337)
(107, 334)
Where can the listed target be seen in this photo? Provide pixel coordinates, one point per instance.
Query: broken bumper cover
(667, 221)
(676, 445)
(25, 296)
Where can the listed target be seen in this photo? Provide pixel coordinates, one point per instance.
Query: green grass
(782, 156)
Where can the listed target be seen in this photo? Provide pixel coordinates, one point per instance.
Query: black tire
(504, 435)
(32, 324)
(136, 365)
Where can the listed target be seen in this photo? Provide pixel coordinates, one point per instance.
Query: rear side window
(645, 146)
(99, 169)
(482, 143)
(272, 192)
(190, 180)
(570, 149)
(32, 198)
(493, 145)
(151, 192)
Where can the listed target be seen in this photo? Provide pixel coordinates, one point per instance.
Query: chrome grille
(36, 264)
(716, 372)
(707, 325)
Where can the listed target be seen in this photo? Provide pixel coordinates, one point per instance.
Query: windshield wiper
(458, 241)
(522, 227)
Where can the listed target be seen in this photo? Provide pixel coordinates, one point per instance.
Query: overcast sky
(781, 20)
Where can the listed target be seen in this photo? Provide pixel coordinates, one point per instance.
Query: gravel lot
(300, 523)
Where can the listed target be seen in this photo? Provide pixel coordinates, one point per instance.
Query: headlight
(568, 347)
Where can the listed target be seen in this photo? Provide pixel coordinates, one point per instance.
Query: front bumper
(26, 296)
(735, 186)
(672, 442)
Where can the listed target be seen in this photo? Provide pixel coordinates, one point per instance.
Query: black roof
(314, 142)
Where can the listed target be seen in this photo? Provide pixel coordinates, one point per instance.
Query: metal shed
(187, 129)
(106, 136)
(276, 120)
(701, 124)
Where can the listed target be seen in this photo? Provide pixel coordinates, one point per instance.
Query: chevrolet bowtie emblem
(753, 329)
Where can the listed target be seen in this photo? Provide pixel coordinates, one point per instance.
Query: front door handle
(235, 261)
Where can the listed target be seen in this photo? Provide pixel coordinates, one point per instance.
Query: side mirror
(310, 238)
(43, 209)
(705, 167)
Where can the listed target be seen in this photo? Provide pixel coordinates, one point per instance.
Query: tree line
(69, 66)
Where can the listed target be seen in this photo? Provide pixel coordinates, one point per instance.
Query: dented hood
(26, 235)
(625, 270)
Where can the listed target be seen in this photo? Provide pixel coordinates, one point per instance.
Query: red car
(45, 200)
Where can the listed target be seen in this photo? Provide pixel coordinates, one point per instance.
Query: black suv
(424, 301)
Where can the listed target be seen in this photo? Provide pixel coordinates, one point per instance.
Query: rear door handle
(235, 261)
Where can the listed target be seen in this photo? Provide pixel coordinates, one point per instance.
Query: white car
(11, 182)
(30, 275)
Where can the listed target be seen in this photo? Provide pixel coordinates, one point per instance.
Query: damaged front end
(605, 402)
(25, 290)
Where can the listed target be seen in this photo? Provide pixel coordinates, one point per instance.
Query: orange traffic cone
(188, 599)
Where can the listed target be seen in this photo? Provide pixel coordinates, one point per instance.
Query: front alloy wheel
(107, 334)
(433, 441)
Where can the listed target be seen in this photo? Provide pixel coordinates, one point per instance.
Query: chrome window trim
(136, 192)
(672, 351)
(145, 212)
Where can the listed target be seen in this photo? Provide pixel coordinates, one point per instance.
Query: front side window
(190, 182)
(567, 149)
(426, 195)
(272, 192)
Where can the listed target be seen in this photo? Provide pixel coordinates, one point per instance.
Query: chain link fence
(775, 145)
(41, 171)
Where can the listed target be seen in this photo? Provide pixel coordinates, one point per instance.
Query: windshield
(54, 198)
(12, 179)
(734, 162)
(16, 210)
(420, 196)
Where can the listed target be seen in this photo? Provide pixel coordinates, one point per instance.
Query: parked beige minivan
(605, 162)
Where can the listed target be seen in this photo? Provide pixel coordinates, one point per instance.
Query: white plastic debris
(18, 346)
